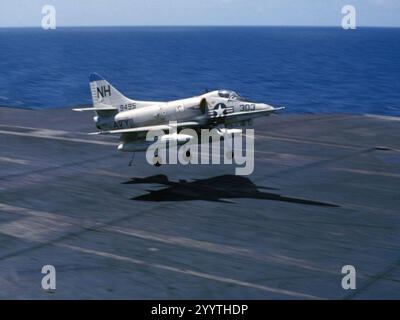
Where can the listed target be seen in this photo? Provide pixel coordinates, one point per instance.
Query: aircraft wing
(252, 113)
(148, 128)
(234, 117)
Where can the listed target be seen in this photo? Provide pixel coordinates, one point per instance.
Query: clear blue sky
(21, 13)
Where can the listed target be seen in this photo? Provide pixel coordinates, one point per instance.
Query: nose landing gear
(133, 157)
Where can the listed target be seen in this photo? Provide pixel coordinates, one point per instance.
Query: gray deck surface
(193, 232)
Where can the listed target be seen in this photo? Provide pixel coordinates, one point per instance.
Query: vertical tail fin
(105, 95)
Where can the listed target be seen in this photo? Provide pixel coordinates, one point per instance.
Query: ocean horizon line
(203, 26)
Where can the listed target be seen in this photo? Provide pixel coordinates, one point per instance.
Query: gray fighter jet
(133, 119)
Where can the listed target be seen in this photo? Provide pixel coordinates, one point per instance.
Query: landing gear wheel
(187, 155)
(157, 161)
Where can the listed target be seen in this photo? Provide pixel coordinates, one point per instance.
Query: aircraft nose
(264, 106)
(271, 108)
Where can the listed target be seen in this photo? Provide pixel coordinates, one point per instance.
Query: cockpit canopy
(229, 94)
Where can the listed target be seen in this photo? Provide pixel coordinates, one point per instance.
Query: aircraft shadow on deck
(219, 189)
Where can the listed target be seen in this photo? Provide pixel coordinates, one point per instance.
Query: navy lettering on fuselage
(103, 91)
(124, 124)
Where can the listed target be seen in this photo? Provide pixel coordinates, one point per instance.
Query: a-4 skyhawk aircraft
(132, 119)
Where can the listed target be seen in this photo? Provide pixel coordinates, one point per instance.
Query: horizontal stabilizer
(99, 107)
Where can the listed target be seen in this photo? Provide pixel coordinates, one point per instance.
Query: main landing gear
(188, 155)
(157, 161)
(133, 157)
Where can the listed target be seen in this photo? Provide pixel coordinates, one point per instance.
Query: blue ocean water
(305, 69)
